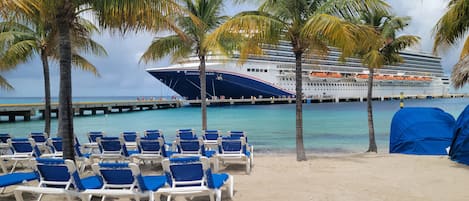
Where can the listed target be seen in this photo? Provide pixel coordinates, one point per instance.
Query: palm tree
(122, 15)
(309, 26)
(119, 14)
(21, 40)
(380, 49)
(452, 27)
(205, 17)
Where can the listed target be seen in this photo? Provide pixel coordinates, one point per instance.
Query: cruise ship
(273, 75)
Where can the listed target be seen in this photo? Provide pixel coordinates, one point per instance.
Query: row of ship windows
(333, 84)
(256, 70)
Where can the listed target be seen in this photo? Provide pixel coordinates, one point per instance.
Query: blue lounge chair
(210, 138)
(130, 139)
(14, 178)
(57, 177)
(125, 180)
(40, 139)
(92, 144)
(239, 134)
(24, 149)
(112, 148)
(55, 147)
(186, 134)
(150, 149)
(154, 133)
(192, 177)
(234, 150)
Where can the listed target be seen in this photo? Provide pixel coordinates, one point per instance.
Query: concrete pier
(85, 108)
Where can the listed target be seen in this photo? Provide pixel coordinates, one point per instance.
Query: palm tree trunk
(203, 91)
(372, 146)
(47, 106)
(65, 122)
(300, 149)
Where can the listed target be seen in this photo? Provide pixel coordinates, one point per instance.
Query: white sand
(360, 177)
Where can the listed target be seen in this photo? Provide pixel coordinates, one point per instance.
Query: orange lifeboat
(335, 75)
(319, 74)
(362, 76)
(378, 77)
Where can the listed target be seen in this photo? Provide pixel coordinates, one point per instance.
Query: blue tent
(460, 146)
(422, 131)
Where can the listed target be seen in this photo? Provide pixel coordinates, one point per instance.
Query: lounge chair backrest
(95, 134)
(39, 137)
(118, 175)
(129, 136)
(186, 134)
(24, 146)
(110, 144)
(238, 134)
(55, 144)
(4, 137)
(154, 134)
(187, 171)
(150, 146)
(211, 135)
(190, 146)
(52, 170)
(227, 145)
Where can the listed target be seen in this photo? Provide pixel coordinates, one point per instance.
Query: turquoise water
(328, 127)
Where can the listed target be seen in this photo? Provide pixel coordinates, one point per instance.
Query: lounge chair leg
(14, 166)
(40, 197)
(218, 194)
(231, 187)
(18, 195)
(248, 166)
(168, 198)
(212, 196)
(3, 165)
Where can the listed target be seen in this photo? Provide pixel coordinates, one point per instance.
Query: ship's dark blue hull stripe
(187, 83)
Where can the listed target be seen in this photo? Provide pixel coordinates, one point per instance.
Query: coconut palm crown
(449, 30)
(205, 16)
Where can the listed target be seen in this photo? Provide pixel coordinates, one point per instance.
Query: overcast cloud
(122, 75)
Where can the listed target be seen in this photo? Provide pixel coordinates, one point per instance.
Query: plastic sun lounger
(55, 147)
(130, 138)
(4, 147)
(92, 145)
(56, 177)
(24, 150)
(192, 176)
(234, 150)
(112, 148)
(125, 180)
(150, 149)
(210, 138)
(14, 178)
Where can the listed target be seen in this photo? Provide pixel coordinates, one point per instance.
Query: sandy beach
(352, 177)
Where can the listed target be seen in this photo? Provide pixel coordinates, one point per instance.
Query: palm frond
(373, 59)
(465, 49)
(350, 9)
(161, 47)
(81, 63)
(460, 73)
(4, 84)
(452, 26)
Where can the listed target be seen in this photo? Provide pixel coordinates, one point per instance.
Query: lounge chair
(238, 134)
(186, 134)
(130, 139)
(154, 133)
(55, 147)
(57, 177)
(234, 150)
(210, 138)
(194, 148)
(24, 149)
(40, 139)
(14, 178)
(192, 177)
(112, 148)
(150, 149)
(125, 180)
(92, 145)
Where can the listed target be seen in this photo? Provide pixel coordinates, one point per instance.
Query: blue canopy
(422, 131)
(460, 146)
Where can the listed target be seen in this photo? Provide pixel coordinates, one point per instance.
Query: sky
(123, 75)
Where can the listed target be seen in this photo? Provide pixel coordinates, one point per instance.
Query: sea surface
(328, 127)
